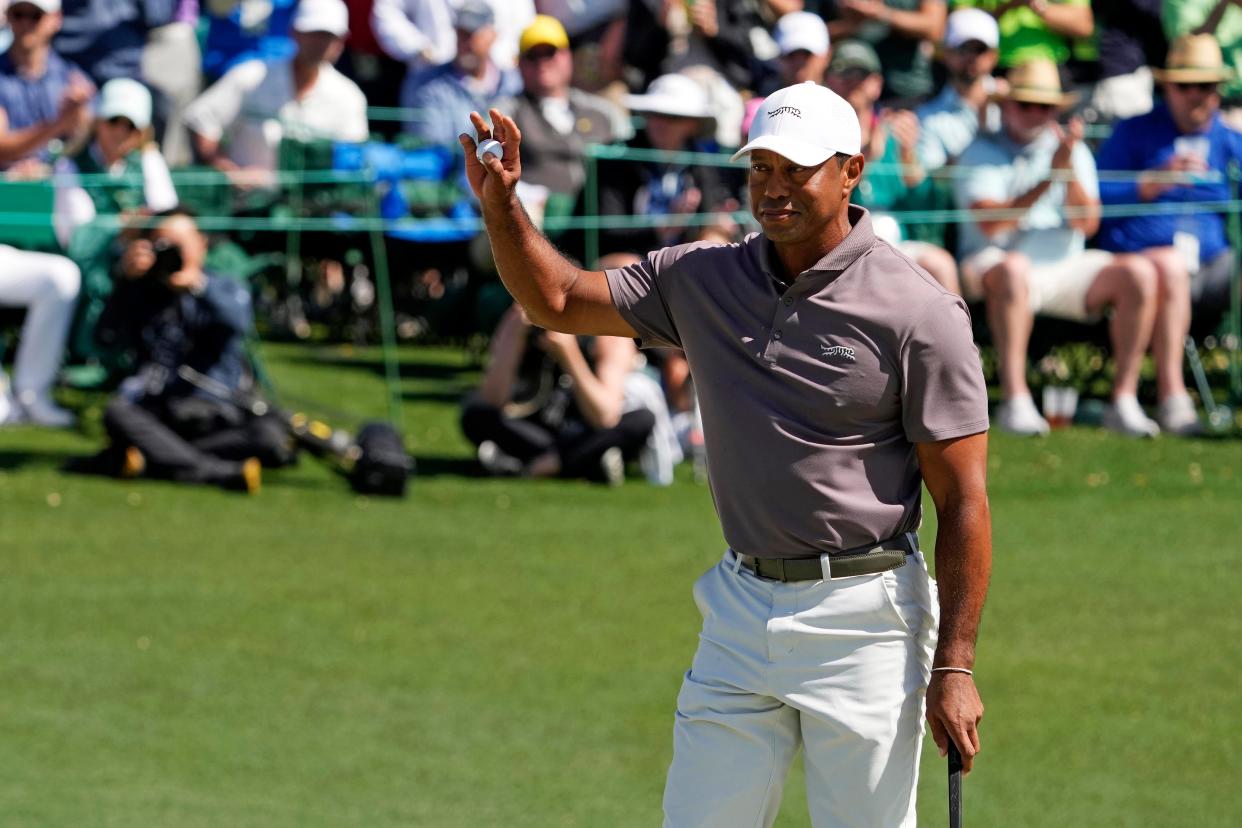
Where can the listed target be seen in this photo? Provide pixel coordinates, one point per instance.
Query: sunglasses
(31, 15)
(972, 49)
(1034, 107)
(537, 54)
(1206, 87)
(121, 121)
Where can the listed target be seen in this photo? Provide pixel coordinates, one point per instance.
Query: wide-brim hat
(675, 95)
(1038, 81)
(1194, 59)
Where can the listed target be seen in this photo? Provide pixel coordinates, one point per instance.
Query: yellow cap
(545, 30)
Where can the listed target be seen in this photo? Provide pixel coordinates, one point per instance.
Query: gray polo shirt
(812, 396)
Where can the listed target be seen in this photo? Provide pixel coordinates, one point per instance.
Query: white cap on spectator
(672, 94)
(807, 123)
(801, 30)
(48, 6)
(965, 25)
(125, 98)
(329, 16)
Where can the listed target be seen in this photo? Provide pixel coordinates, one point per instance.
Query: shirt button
(788, 301)
(776, 335)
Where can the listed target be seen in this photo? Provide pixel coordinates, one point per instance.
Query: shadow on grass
(440, 465)
(407, 369)
(10, 460)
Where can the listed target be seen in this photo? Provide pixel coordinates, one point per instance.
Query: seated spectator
(552, 405)
(803, 48)
(1037, 29)
(1037, 262)
(1131, 40)
(43, 97)
(172, 65)
(893, 178)
(676, 118)
(176, 416)
(238, 32)
(596, 38)
(106, 37)
(557, 121)
(238, 123)
(445, 95)
(1223, 20)
(902, 33)
(951, 120)
(1184, 134)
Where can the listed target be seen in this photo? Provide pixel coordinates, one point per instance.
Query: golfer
(834, 378)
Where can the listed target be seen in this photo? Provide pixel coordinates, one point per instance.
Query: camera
(168, 260)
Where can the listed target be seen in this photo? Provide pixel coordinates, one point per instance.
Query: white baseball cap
(125, 98)
(329, 16)
(46, 6)
(801, 30)
(807, 123)
(965, 25)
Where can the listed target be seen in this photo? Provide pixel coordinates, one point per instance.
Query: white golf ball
(490, 145)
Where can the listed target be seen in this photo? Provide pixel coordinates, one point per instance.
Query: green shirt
(1023, 34)
(1184, 16)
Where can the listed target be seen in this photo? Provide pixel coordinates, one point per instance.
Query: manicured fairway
(508, 653)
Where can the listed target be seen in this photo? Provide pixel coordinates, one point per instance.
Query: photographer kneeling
(177, 416)
(551, 405)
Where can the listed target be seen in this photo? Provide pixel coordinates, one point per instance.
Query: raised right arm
(556, 294)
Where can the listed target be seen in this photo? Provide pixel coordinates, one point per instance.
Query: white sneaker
(496, 462)
(1020, 416)
(1177, 415)
(612, 466)
(1125, 416)
(39, 409)
(8, 408)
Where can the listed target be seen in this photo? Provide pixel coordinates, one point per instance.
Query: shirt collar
(858, 241)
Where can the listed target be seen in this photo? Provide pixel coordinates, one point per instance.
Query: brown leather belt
(864, 560)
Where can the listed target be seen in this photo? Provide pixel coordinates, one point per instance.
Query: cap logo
(785, 110)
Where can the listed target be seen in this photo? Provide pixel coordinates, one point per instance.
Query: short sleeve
(639, 296)
(943, 393)
(1084, 170)
(212, 113)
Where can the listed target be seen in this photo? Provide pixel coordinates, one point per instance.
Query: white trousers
(47, 286)
(839, 667)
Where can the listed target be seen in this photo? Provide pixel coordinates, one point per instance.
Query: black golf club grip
(955, 786)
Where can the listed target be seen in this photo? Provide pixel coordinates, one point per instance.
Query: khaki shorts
(1058, 289)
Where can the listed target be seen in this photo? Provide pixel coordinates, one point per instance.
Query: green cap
(853, 54)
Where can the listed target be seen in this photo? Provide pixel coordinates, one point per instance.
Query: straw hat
(1039, 82)
(1194, 59)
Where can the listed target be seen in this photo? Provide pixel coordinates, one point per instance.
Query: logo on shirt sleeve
(836, 352)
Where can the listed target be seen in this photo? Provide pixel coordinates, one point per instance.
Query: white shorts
(1058, 289)
(839, 667)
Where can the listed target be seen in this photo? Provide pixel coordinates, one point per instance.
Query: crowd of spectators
(1034, 114)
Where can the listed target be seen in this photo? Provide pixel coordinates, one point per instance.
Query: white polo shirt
(253, 106)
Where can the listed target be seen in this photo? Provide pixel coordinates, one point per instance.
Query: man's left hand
(191, 280)
(954, 711)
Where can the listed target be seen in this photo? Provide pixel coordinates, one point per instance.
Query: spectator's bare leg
(942, 267)
(1172, 320)
(1007, 293)
(1128, 286)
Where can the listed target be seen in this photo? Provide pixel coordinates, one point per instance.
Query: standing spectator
(1131, 39)
(511, 19)
(43, 97)
(172, 65)
(963, 109)
(803, 46)
(1223, 20)
(106, 37)
(238, 123)
(1184, 134)
(238, 32)
(1037, 29)
(596, 38)
(902, 33)
(367, 64)
(1038, 261)
(557, 121)
(893, 177)
(552, 404)
(677, 119)
(419, 33)
(446, 95)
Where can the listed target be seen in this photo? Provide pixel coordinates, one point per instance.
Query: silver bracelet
(953, 670)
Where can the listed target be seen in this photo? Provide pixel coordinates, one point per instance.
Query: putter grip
(955, 786)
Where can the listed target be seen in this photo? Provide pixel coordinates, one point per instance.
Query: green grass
(508, 653)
